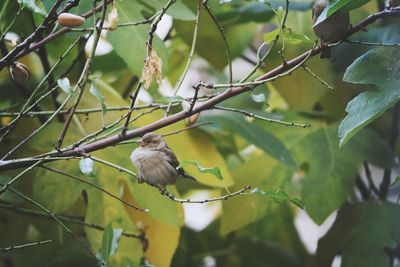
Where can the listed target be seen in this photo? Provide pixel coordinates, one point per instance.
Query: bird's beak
(139, 142)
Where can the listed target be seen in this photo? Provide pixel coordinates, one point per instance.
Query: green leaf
(254, 134)
(264, 172)
(278, 196)
(8, 9)
(86, 166)
(237, 36)
(260, 98)
(109, 244)
(246, 12)
(345, 5)
(65, 85)
(213, 170)
(292, 37)
(34, 6)
(365, 108)
(178, 10)
(395, 182)
(272, 35)
(123, 38)
(99, 96)
(362, 233)
(374, 67)
(377, 66)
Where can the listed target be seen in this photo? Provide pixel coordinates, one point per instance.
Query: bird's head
(151, 140)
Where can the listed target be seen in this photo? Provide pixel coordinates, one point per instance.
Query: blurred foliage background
(344, 166)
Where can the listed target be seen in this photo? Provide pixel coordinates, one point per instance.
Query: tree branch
(209, 104)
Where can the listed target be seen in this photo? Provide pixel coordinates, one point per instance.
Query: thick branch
(209, 104)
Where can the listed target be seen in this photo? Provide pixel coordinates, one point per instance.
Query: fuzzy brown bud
(19, 73)
(192, 119)
(70, 20)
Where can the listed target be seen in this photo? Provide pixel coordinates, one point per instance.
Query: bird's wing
(170, 156)
(172, 159)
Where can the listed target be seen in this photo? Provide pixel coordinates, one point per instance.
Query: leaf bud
(19, 73)
(70, 20)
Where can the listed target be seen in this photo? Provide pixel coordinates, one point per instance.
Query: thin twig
(26, 108)
(84, 76)
(50, 37)
(131, 107)
(95, 186)
(330, 87)
(33, 244)
(170, 133)
(16, 178)
(252, 115)
(171, 196)
(370, 43)
(216, 99)
(222, 32)
(50, 18)
(190, 58)
(187, 128)
(52, 215)
(67, 219)
(85, 111)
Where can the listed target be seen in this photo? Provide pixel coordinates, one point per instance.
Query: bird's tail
(182, 173)
(185, 175)
(326, 53)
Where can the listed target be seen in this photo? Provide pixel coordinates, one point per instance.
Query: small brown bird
(155, 162)
(332, 29)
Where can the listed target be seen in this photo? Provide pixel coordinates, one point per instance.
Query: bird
(155, 162)
(332, 29)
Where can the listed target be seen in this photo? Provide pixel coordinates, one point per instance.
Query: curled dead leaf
(113, 18)
(152, 67)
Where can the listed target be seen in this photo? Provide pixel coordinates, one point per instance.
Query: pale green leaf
(272, 35)
(260, 98)
(213, 170)
(34, 6)
(86, 166)
(65, 85)
(109, 244)
(278, 196)
(395, 182)
(93, 90)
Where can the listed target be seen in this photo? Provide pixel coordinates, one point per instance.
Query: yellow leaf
(163, 238)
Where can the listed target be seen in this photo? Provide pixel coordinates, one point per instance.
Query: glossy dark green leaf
(254, 134)
(378, 67)
(345, 5)
(362, 233)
